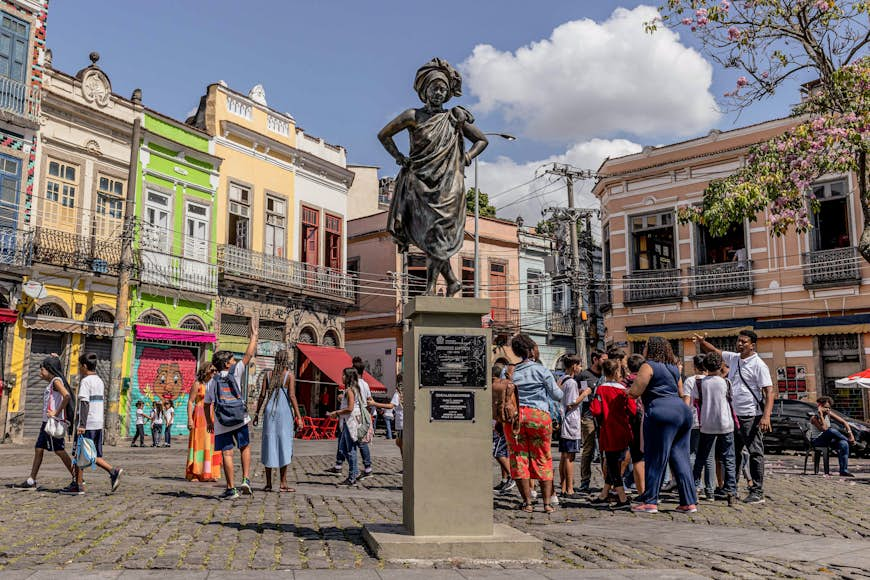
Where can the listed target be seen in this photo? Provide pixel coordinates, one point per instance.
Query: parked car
(789, 416)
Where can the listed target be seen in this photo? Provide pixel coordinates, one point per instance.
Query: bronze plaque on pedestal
(453, 360)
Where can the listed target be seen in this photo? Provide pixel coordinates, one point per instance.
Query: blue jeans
(724, 452)
(709, 464)
(389, 423)
(667, 426)
(347, 450)
(364, 451)
(835, 440)
(167, 434)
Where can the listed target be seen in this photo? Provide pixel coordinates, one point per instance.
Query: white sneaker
(554, 500)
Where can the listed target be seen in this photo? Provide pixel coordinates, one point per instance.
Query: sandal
(526, 507)
(548, 509)
(285, 489)
(267, 488)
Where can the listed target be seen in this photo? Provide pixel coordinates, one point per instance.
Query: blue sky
(343, 68)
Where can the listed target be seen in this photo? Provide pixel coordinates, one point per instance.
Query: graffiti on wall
(163, 374)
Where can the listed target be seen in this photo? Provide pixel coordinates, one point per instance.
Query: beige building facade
(807, 296)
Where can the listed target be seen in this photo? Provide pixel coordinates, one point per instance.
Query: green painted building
(173, 303)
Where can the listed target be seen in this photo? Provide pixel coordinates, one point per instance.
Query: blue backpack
(229, 411)
(86, 453)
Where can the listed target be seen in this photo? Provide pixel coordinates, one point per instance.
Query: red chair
(308, 429)
(330, 428)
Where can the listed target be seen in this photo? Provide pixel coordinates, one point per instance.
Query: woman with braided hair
(280, 415)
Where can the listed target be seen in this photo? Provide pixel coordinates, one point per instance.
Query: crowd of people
(651, 428)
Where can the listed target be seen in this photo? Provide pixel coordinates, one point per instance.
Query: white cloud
(591, 79)
(499, 179)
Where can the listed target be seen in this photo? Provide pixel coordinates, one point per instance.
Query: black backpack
(229, 412)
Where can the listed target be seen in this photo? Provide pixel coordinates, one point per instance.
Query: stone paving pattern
(157, 520)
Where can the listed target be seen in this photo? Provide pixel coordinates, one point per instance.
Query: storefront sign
(452, 406)
(452, 360)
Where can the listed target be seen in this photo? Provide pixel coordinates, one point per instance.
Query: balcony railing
(652, 286)
(72, 250)
(837, 267)
(16, 247)
(506, 319)
(250, 265)
(719, 280)
(560, 323)
(604, 295)
(161, 269)
(17, 99)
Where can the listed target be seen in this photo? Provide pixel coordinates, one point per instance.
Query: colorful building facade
(805, 295)
(173, 303)
(281, 203)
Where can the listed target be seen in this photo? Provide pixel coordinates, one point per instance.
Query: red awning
(8, 316)
(161, 333)
(332, 362)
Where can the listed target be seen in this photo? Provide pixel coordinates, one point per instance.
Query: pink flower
(822, 6)
(703, 20)
(733, 33)
(726, 5)
(700, 12)
(687, 21)
(742, 82)
(765, 74)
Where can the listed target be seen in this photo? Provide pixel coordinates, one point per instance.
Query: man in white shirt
(752, 400)
(90, 422)
(224, 392)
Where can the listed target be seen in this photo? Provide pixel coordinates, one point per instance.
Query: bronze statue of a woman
(428, 207)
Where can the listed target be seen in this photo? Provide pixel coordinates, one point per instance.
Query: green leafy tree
(770, 42)
(485, 209)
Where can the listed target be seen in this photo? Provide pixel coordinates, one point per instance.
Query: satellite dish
(35, 290)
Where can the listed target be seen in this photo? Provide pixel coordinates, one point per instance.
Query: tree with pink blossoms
(768, 42)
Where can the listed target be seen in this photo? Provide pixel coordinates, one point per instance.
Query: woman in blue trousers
(667, 427)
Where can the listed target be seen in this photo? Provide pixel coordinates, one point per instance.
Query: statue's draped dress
(428, 207)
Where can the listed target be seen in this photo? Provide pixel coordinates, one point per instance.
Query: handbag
(365, 432)
(54, 427)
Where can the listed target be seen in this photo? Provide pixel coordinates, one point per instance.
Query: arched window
(51, 310)
(331, 339)
(307, 336)
(153, 318)
(192, 323)
(101, 316)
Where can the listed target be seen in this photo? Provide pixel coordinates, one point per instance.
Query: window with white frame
(832, 223)
(653, 237)
(276, 226)
(110, 205)
(240, 216)
(534, 296)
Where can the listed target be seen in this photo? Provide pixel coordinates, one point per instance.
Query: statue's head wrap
(438, 69)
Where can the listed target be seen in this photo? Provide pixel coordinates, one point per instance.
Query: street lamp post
(506, 137)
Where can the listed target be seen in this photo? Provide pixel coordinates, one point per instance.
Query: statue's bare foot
(453, 289)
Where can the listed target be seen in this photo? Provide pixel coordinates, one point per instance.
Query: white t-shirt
(398, 411)
(156, 417)
(168, 415)
(365, 391)
(689, 391)
(92, 390)
(716, 418)
(140, 417)
(571, 421)
(238, 371)
(757, 374)
(52, 398)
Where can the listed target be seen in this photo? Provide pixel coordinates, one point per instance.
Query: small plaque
(453, 360)
(452, 406)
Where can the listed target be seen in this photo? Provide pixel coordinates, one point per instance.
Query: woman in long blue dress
(280, 415)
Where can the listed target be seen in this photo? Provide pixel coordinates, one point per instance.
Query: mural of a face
(168, 384)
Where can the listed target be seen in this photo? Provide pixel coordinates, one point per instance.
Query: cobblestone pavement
(157, 520)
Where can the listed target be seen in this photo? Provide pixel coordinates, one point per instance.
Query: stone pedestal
(447, 487)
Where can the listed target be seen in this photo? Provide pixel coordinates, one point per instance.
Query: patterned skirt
(203, 462)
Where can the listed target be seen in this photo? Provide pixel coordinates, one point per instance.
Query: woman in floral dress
(203, 462)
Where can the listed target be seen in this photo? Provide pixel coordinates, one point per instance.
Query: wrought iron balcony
(652, 286)
(604, 295)
(308, 278)
(18, 101)
(837, 267)
(76, 251)
(505, 319)
(560, 323)
(720, 280)
(161, 269)
(16, 248)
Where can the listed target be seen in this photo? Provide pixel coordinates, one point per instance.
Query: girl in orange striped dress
(203, 462)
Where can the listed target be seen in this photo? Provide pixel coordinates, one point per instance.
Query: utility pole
(570, 174)
(122, 306)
